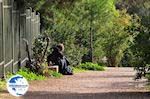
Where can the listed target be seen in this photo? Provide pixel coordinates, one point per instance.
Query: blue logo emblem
(17, 85)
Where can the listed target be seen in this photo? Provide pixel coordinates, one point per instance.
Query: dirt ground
(114, 83)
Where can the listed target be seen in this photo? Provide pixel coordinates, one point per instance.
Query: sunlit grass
(2, 85)
(78, 70)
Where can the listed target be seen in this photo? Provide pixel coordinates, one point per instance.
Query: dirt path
(114, 83)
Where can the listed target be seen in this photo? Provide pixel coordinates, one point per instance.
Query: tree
(139, 7)
(138, 53)
(80, 26)
(117, 39)
(91, 27)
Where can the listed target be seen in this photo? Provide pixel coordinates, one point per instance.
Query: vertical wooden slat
(23, 35)
(33, 25)
(12, 42)
(1, 40)
(32, 29)
(7, 30)
(15, 26)
(39, 24)
(28, 27)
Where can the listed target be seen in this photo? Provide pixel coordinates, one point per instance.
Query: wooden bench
(54, 68)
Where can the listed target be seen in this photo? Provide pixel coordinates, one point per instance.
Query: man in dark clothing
(57, 58)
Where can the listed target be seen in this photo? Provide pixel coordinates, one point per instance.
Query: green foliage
(148, 76)
(78, 70)
(2, 85)
(28, 75)
(65, 21)
(117, 38)
(91, 66)
(139, 7)
(141, 47)
(138, 53)
(72, 22)
(121, 38)
(148, 72)
(44, 74)
(55, 74)
(45, 71)
(72, 26)
(40, 48)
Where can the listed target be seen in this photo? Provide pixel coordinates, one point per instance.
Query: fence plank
(15, 26)
(33, 25)
(23, 35)
(28, 28)
(7, 30)
(1, 40)
(39, 24)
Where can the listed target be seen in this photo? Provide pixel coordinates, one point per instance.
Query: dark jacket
(57, 58)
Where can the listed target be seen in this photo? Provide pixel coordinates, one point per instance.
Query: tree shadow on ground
(3, 91)
(110, 95)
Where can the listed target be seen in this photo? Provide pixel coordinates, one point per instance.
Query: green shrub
(148, 76)
(78, 70)
(33, 76)
(2, 85)
(91, 66)
(28, 75)
(55, 74)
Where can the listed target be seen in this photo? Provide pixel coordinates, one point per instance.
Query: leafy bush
(34, 76)
(28, 75)
(49, 73)
(54, 74)
(91, 66)
(2, 85)
(40, 47)
(147, 76)
(78, 70)
(143, 71)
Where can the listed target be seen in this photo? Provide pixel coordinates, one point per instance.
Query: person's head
(55, 49)
(60, 47)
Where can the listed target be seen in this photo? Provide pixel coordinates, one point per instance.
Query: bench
(54, 68)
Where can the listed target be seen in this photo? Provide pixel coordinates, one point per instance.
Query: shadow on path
(111, 95)
(3, 91)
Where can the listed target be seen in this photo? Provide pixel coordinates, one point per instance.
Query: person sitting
(57, 58)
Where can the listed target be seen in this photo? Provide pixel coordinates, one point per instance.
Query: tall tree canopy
(97, 28)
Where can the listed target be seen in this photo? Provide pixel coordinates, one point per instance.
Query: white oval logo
(17, 85)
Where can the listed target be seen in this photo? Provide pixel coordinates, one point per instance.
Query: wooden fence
(16, 24)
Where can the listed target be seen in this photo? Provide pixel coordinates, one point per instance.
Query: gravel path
(114, 83)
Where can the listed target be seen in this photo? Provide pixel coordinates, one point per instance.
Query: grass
(2, 85)
(55, 74)
(148, 76)
(28, 75)
(91, 66)
(78, 70)
(87, 67)
(34, 76)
